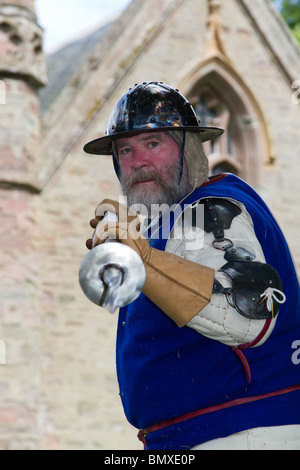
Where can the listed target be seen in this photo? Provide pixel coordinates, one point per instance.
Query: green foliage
(296, 33)
(290, 10)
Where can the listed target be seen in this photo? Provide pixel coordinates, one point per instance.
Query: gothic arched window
(220, 100)
(221, 152)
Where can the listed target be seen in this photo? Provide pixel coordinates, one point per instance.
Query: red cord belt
(179, 419)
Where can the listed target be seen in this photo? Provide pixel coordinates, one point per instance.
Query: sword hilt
(112, 275)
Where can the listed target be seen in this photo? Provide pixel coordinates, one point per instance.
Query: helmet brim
(103, 145)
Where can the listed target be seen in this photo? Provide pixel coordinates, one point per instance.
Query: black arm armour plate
(250, 280)
(253, 282)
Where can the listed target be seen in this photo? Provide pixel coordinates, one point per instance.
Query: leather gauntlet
(180, 288)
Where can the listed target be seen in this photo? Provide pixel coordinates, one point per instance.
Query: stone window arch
(213, 111)
(221, 99)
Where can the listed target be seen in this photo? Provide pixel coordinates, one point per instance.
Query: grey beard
(165, 193)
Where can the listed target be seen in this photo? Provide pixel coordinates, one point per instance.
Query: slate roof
(66, 61)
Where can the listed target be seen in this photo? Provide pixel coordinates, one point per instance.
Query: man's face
(150, 169)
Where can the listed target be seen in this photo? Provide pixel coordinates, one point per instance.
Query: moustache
(141, 175)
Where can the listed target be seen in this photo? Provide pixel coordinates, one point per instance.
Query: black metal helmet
(149, 107)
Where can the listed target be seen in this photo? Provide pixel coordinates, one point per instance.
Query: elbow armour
(254, 285)
(256, 290)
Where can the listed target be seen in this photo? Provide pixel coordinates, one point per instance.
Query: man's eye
(124, 151)
(153, 144)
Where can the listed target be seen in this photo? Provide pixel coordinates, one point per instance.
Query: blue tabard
(165, 371)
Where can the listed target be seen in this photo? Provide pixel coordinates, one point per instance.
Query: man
(204, 355)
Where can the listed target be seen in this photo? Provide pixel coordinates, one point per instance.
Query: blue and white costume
(187, 386)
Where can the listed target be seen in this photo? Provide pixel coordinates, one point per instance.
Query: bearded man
(204, 353)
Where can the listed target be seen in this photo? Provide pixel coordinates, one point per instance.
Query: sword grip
(108, 217)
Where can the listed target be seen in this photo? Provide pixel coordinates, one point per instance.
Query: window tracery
(222, 100)
(222, 152)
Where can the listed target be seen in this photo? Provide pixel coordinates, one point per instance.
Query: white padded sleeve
(219, 320)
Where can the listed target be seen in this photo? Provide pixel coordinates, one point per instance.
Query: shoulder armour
(218, 216)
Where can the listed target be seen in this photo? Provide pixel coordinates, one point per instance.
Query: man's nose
(139, 159)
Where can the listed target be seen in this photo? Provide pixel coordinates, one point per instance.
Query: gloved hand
(180, 288)
(122, 213)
